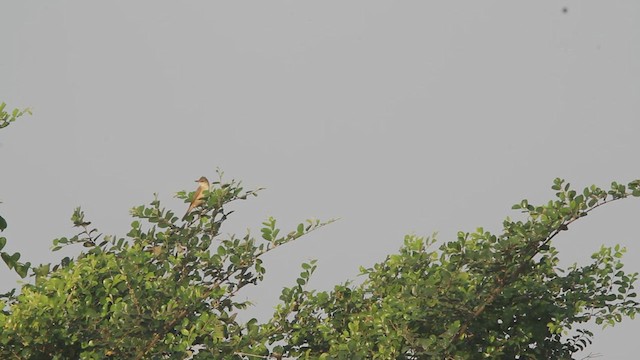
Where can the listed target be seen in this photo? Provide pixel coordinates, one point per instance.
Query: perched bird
(203, 185)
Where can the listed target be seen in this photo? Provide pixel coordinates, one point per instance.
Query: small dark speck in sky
(565, 10)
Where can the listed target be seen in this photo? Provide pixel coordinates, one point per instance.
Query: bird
(203, 185)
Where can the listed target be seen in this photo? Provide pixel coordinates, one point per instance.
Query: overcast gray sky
(397, 117)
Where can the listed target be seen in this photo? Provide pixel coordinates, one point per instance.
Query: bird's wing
(197, 200)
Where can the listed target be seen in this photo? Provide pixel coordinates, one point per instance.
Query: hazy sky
(397, 117)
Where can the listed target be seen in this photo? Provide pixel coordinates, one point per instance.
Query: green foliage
(11, 259)
(480, 296)
(8, 117)
(169, 290)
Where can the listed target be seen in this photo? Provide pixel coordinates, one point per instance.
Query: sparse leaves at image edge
(7, 117)
(11, 260)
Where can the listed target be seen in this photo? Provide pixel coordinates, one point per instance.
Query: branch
(503, 281)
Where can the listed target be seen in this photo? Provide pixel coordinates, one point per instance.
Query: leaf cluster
(482, 295)
(7, 117)
(168, 290)
(11, 260)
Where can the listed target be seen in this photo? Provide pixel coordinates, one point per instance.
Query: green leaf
(23, 269)
(8, 259)
(3, 223)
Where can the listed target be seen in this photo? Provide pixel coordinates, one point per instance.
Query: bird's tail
(185, 215)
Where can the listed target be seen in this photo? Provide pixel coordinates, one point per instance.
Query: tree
(168, 290)
(480, 296)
